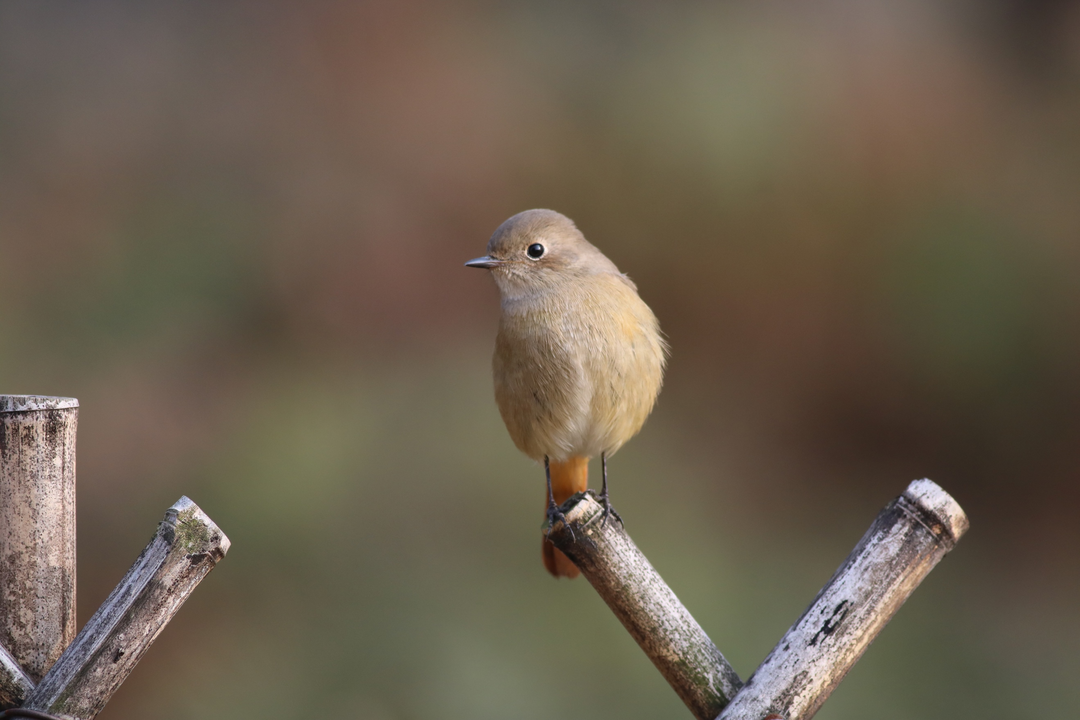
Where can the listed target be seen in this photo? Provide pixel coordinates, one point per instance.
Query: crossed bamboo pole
(44, 665)
(904, 543)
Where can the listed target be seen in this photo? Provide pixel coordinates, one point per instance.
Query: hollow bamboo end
(582, 508)
(209, 537)
(940, 505)
(30, 403)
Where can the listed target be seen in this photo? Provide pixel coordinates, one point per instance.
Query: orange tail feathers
(567, 477)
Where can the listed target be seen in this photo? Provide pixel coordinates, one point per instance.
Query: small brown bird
(579, 358)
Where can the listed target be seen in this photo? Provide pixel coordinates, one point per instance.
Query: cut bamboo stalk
(646, 606)
(37, 530)
(905, 542)
(185, 548)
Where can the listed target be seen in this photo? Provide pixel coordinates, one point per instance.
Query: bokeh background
(235, 231)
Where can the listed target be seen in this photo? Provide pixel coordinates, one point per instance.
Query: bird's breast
(577, 371)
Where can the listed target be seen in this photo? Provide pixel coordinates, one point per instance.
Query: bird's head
(538, 250)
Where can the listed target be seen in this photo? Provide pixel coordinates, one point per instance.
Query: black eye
(535, 251)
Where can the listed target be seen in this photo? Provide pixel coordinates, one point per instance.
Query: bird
(579, 357)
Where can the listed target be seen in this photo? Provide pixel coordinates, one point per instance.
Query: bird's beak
(484, 262)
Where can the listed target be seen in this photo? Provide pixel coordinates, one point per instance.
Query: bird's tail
(567, 477)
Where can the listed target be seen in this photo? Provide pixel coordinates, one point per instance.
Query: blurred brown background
(235, 231)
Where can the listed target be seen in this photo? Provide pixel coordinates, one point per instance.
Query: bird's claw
(608, 510)
(554, 515)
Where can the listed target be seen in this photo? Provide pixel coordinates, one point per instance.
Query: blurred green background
(235, 231)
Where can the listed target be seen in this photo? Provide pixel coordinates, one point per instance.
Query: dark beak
(484, 262)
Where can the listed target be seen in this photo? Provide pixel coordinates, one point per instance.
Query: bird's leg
(554, 514)
(608, 510)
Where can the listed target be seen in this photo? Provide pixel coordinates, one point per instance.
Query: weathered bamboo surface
(904, 543)
(647, 607)
(185, 548)
(37, 530)
(15, 684)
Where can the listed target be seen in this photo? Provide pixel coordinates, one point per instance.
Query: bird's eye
(535, 251)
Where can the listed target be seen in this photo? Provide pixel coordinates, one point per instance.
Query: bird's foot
(554, 515)
(608, 509)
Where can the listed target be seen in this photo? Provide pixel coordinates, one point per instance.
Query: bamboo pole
(185, 548)
(15, 684)
(646, 606)
(905, 542)
(37, 531)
